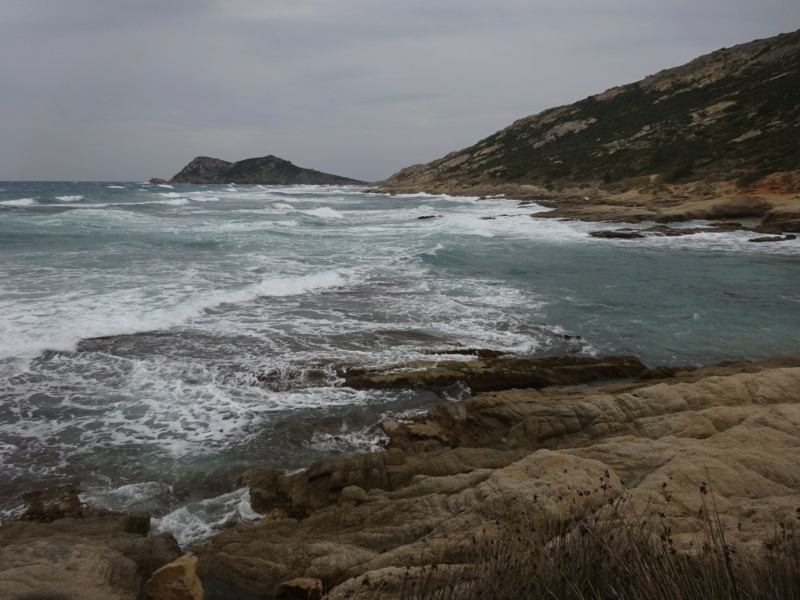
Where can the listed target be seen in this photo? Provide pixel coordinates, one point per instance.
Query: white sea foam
(69, 198)
(19, 202)
(130, 497)
(202, 519)
(433, 251)
(324, 212)
(164, 185)
(244, 318)
(365, 439)
(31, 329)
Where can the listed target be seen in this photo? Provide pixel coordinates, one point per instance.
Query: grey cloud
(133, 89)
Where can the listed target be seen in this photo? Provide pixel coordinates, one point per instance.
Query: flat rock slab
(496, 373)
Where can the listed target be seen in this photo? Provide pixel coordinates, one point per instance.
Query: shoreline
(773, 201)
(449, 475)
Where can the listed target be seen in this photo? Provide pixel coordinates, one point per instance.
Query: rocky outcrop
(452, 479)
(176, 581)
(65, 550)
(267, 170)
(495, 372)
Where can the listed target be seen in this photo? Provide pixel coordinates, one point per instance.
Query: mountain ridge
(733, 113)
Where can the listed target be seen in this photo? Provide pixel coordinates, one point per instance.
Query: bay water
(157, 340)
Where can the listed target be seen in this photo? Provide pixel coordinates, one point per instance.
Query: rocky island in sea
(558, 476)
(265, 170)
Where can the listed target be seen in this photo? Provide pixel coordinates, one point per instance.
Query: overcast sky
(132, 89)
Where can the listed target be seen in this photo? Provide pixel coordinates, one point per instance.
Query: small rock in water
(773, 238)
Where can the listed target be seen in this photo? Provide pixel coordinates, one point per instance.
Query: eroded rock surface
(667, 443)
(66, 551)
(496, 372)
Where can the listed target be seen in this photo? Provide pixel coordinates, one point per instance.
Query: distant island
(268, 170)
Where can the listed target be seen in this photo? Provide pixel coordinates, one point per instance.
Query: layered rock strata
(63, 550)
(450, 478)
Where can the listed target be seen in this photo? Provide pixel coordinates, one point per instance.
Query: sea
(158, 340)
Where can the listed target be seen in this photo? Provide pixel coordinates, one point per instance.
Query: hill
(732, 114)
(269, 170)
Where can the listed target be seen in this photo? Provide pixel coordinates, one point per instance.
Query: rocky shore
(645, 441)
(769, 206)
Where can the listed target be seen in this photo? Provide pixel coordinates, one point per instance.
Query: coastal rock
(433, 516)
(176, 581)
(526, 457)
(303, 588)
(72, 552)
(784, 220)
(741, 207)
(495, 372)
(617, 234)
(266, 170)
(773, 238)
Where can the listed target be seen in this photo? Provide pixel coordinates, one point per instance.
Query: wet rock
(617, 234)
(429, 217)
(49, 504)
(175, 581)
(773, 238)
(479, 352)
(496, 373)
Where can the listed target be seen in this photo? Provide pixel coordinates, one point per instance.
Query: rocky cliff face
(267, 170)
(732, 113)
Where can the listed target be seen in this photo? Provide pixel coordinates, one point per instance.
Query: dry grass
(611, 554)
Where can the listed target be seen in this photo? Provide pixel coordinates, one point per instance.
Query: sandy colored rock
(96, 555)
(175, 581)
(672, 446)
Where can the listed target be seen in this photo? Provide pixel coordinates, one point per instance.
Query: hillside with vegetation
(733, 114)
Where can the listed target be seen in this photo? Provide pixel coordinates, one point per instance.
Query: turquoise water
(158, 339)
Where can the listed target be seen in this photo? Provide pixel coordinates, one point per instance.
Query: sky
(126, 90)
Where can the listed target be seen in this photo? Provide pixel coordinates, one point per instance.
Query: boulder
(175, 581)
(63, 549)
